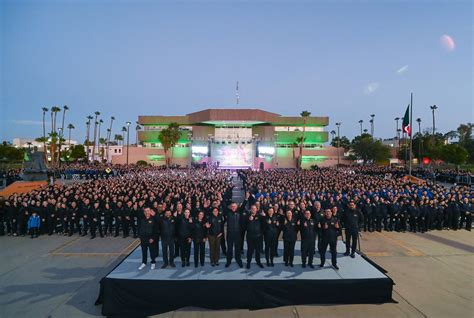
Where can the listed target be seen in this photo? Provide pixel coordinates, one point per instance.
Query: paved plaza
(59, 277)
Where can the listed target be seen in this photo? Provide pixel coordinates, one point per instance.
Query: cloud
(402, 70)
(28, 122)
(371, 88)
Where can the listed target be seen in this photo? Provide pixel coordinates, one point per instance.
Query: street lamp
(433, 108)
(360, 122)
(128, 137)
(396, 130)
(338, 142)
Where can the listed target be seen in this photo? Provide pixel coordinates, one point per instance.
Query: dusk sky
(342, 59)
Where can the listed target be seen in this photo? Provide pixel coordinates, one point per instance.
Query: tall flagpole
(411, 134)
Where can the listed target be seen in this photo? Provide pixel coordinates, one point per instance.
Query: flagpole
(411, 134)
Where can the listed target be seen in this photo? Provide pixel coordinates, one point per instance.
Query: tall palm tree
(96, 123)
(137, 128)
(88, 140)
(124, 130)
(109, 134)
(65, 108)
(70, 127)
(45, 110)
(305, 114)
(98, 134)
(360, 123)
(54, 135)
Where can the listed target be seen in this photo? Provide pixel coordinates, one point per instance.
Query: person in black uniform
(126, 219)
(455, 212)
(167, 231)
(466, 211)
(308, 239)
(108, 219)
(353, 219)
(271, 235)
(199, 236)
(289, 238)
(118, 217)
(52, 212)
(330, 228)
(413, 213)
(254, 236)
(215, 226)
(85, 210)
(95, 220)
(235, 223)
(73, 218)
(185, 225)
(147, 231)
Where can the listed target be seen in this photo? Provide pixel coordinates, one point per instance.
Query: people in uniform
(254, 236)
(308, 229)
(289, 238)
(147, 231)
(330, 227)
(353, 219)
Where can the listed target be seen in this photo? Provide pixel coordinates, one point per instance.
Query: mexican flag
(406, 125)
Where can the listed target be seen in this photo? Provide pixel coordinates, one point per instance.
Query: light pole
(338, 143)
(360, 122)
(128, 137)
(396, 130)
(433, 108)
(372, 125)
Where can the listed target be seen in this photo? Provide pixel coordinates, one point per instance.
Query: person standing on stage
(271, 235)
(185, 224)
(254, 236)
(95, 221)
(148, 231)
(353, 219)
(308, 239)
(215, 231)
(167, 231)
(330, 228)
(199, 236)
(234, 220)
(289, 238)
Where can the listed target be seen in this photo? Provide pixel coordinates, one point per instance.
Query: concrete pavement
(59, 277)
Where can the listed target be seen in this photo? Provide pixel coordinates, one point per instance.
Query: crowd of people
(185, 209)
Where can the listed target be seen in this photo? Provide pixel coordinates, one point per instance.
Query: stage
(126, 291)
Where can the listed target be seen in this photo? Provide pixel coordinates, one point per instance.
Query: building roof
(242, 116)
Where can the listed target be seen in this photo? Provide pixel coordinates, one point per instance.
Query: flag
(406, 125)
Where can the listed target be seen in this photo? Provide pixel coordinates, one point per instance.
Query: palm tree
(450, 135)
(305, 114)
(96, 123)
(44, 139)
(102, 142)
(109, 134)
(333, 134)
(118, 138)
(124, 130)
(360, 122)
(54, 112)
(98, 133)
(65, 108)
(70, 127)
(137, 128)
(168, 138)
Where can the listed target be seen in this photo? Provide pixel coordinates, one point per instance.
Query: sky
(342, 59)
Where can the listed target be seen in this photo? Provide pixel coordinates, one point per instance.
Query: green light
(308, 159)
(156, 157)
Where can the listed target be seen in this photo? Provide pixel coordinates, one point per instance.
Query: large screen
(230, 155)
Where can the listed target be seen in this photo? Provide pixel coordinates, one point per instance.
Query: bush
(142, 163)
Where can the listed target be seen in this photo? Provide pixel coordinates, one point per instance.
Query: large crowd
(184, 207)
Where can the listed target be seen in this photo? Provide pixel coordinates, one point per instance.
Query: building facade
(235, 138)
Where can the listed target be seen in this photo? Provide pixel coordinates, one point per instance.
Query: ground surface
(59, 276)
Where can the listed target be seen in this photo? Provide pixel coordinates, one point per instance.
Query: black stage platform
(126, 291)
